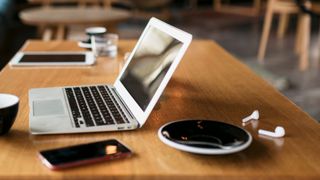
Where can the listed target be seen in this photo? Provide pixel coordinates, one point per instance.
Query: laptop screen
(149, 65)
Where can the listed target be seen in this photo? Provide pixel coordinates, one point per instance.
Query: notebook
(127, 103)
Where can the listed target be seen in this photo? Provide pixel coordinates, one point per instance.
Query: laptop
(127, 103)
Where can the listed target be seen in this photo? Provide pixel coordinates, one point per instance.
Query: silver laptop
(125, 105)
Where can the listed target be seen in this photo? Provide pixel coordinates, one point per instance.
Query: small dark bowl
(9, 105)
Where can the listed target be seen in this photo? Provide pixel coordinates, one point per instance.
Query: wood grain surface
(73, 15)
(209, 83)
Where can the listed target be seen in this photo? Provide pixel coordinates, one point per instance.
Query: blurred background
(277, 39)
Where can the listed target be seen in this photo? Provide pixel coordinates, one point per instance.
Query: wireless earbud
(253, 116)
(279, 132)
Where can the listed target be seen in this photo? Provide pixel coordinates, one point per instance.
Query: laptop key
(88, 121)
(84, 109)
(99, 121)
(122, 119)
(73, 106)
(95, 106)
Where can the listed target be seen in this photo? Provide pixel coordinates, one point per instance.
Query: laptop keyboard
(94, 106)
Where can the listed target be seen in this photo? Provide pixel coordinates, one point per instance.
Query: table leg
(305, 40)
(266, 31)
(47, 34)
(216, 5)
(297, 47)
(60, 32)
(283, 24)
(257, 6)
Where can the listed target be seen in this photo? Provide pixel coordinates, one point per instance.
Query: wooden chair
(285, 8)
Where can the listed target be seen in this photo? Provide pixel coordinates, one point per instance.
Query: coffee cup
(92, 31)
(96, 31)
(9, 105)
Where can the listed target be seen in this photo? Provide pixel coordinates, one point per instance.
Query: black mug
(9, 105)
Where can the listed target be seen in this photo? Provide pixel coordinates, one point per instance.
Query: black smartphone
(84, 154)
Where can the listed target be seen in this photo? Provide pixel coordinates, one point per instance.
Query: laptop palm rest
(48, 107)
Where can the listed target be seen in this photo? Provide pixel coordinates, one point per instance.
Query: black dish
(205, 136)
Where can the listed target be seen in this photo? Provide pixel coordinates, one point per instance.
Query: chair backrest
(309, 6)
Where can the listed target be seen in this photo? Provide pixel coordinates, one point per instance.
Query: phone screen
(52, 58)
(83, 154)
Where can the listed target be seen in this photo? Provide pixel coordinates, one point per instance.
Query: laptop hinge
(124, 105)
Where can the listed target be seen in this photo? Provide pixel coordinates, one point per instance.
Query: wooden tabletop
(72, 15)
(59, 1)
(209, 83)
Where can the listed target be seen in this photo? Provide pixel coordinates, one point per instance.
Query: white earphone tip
(280, 131)
(256, 114)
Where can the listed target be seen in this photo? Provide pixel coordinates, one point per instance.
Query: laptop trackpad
(48, 107)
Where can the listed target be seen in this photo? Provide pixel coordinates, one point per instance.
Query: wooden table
(49, 18)
(209, 83)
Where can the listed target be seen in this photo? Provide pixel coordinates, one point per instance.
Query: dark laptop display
(149, 65)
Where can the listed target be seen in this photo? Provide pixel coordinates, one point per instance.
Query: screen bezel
(16, 60)
(185, 38)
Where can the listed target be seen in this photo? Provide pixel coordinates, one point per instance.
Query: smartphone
(84, 154)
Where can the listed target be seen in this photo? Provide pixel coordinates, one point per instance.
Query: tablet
(39, 58)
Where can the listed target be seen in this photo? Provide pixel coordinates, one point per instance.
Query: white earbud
(253, 116)
(279, 132)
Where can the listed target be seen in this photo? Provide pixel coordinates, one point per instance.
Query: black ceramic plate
(204, 136)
